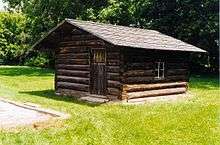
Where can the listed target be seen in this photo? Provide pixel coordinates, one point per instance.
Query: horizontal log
(114, 84)
(152, 79)
(146, 65)
(139, 54)
(143, 79)
(138, 73)
(135, 51)
(144, 87)
(70, 92)
(80, 37)
(65, 72)
(79, 80)
(73, 67)
(113, 62)
(152, 99)
(138, 59)
(73, 56)
(112, 97)
(113, 76)
(66, 50)
(88, 47)
(177, 72)
(114, 91)
(113, 49)
(72, 61)
(159, 92)
(82, 43)
(175, 65)
(113, 55)
(113, 69)
(72, 86)
(177, 78)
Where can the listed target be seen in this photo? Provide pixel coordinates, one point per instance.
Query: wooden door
(98, 72)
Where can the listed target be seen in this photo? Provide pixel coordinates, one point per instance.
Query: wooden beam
(114, 91)
(140, 79)
(113, 76)
(72, 86)
(139, 66)
(80, 37)
(144, 87)
(73, 61)
(113, 62)
(73, 67)
(64, 72)
(114, 84)
(82, 43)
(78, 55)
(113, 69)
(113, 55)
(135, 73)
(160, 92)
(171, 72)
(66, 49)
(79, 80)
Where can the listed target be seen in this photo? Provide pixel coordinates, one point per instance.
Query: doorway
(98, 72)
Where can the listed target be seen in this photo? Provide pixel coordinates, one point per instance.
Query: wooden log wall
(113, 60)
(139, 75)
(151, 90)
(72, 61)
(140, 66)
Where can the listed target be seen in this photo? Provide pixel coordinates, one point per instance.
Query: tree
(13, 36)
(195, 22)
(43, 15)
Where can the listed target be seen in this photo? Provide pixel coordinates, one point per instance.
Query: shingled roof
(130, 36)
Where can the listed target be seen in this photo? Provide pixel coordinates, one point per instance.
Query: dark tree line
(193, 21)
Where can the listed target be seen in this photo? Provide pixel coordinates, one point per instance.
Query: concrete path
(12, 115)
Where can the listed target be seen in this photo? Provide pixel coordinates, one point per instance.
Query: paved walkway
(12, 115)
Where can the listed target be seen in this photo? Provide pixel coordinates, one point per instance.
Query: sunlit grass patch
(194, 121)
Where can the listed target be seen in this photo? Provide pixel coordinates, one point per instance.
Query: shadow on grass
(209, 82)
(24, 71)
(50, 94)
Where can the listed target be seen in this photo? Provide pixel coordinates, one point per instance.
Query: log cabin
(116, 62)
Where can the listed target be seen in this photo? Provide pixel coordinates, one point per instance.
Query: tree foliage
(45, 14)
(195, 22)
(13, 37)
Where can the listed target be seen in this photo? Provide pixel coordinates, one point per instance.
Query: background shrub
(40, 60)
(13, 37)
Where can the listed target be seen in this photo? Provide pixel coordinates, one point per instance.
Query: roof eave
(197, 50)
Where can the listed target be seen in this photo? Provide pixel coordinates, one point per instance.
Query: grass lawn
(194, 121)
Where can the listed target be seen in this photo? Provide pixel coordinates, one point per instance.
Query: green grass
(194, 121)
